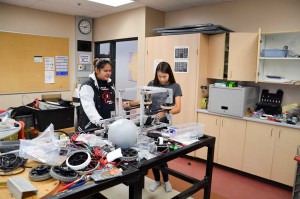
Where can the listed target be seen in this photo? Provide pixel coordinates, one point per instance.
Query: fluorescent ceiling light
(114, 3)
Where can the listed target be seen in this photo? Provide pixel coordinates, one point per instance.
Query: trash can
(296, 189)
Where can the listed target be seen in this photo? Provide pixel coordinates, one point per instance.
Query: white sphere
(123, 133)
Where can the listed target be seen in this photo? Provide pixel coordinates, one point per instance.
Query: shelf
(280, 58)
(294, 83)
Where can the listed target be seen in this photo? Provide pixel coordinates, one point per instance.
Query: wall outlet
(80, 67)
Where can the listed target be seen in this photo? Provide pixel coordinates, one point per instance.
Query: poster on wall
(61, 64)
(181, 52)
(49, 63)
(49, 77)
(84, 59)
(181, 66)
(181, 59)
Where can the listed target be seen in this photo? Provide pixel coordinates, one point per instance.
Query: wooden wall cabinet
(270, 151)
(216, 56)
(230, 135)
(239, 62)
(242, 60)
(162, 48)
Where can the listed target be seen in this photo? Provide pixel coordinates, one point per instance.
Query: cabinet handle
(279, 132)
(222, 121)
(216, 121)
(272, 132)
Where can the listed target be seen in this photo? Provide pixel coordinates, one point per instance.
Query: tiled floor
(227, 183)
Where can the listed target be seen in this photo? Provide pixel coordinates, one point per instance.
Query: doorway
(123, 56)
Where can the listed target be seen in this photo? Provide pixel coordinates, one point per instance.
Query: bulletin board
(22, 63)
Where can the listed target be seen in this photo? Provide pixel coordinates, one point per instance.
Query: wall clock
(84, 26)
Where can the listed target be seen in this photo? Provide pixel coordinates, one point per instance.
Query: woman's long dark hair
(164, 67)
(100, 63)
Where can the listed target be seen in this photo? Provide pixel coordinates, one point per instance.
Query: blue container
(275, 53)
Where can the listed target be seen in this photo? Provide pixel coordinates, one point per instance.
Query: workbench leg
(135, 189)
(209, 169)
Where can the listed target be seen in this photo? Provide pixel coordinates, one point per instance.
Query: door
(216, 56)
(231, 142)
(212, 127)
(126, 67)
(242, 61)
(259, 146)
(284, 166)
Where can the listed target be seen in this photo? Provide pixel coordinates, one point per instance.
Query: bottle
(284, 116)
(204, 99)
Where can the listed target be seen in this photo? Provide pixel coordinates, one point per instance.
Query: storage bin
(275, 53)
(27, 119)
(192, 128)
(60, 118)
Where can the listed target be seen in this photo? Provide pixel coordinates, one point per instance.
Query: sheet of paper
(49, 63)
(111, 156)
(38, 59)
(49, 77)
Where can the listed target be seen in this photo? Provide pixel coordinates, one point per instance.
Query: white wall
(242, 15)
(31, 21)
(247, 16)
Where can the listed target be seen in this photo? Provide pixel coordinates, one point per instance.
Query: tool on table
(82, 178)
(80, 183)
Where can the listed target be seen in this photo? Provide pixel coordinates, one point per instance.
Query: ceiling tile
(92, 9)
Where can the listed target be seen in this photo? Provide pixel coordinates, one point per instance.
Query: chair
(21, 132)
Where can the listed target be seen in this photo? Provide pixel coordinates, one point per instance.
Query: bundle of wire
(9, 164)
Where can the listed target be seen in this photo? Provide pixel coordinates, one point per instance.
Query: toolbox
(270, 102)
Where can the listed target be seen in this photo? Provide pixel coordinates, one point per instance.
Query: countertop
(297, 126)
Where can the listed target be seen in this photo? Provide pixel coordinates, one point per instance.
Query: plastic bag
(46, 148)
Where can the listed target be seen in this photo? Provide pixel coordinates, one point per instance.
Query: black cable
(11, 174)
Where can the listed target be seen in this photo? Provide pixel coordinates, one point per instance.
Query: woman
(97, 96)
(163, 78)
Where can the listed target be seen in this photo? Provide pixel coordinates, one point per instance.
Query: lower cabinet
(230, 135)
(285, 149)
(231, 142)
(270, 151)
(212, 128)
(260, 149)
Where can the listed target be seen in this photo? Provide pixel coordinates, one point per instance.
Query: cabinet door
(259, 146)
(216, 56)
(284, 165)
(162, 48)
(243, 52)
(231, 142)
(212, 126)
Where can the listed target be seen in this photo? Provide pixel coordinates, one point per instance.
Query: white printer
(232, 101)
